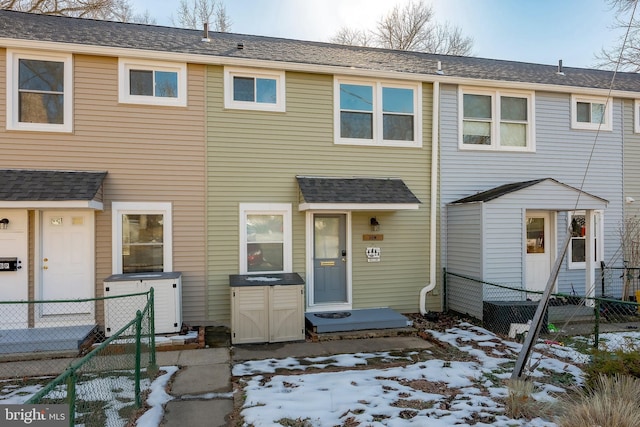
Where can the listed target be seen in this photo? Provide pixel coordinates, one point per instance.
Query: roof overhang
(51, 189)
(355, 194)
(546, 193)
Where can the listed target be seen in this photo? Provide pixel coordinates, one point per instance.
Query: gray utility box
(498, 316)
(167, 299)
(266, 308)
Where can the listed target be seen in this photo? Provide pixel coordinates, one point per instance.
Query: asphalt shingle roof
(355, 190)
(25, 26)
(48, 185)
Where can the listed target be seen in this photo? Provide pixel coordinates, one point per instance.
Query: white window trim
(120, 208)
(636, 116)
(278, 76)
(283, 209)
(599, 238)
(124, 93)
(13, 57)
(377, 130)
(496, 119)
(608, 113)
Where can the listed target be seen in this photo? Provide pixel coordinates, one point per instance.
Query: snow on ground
(416, 388)
(434, 392)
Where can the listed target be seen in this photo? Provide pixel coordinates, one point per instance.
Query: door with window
(14, 283)
(538, 251)
(329, 259)
(67, 261)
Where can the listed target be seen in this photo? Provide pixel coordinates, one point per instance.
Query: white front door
(67, 263)
(538, 248)
(14, 283)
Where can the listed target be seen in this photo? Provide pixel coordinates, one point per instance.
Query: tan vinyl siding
(253, 157)
(153, 154)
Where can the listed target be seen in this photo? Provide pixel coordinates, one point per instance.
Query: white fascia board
(358, 206)
(52, 204)
(308, 68)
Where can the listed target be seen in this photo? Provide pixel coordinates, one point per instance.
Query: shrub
(624, 361)
(613, 401)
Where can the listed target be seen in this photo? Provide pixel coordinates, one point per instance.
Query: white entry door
(14, 285)
(538, 247)
(67, 261)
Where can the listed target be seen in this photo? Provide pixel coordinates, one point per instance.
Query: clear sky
(539, 31)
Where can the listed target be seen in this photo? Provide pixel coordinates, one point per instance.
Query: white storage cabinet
(262, 311)
(167, 291)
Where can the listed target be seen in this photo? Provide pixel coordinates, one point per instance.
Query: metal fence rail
(104, 387)
(606, 324)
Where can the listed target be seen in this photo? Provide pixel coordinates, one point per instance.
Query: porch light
(4, 223)
(375, 225)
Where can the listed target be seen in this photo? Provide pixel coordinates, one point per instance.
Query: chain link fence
(49, 333)
(104, 387)
(605, 323)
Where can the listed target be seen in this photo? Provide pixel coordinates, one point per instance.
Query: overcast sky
(539, 31)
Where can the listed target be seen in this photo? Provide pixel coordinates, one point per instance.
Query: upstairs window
(39, 95)
(636, 116)
(377, 113)
(591, 113)
(249, 89)
(155, 83)
(496, 120)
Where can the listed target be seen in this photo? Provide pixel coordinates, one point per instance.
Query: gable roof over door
(26, 188)
(546, 193)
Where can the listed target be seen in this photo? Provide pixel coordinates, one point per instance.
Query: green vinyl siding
(254, 157)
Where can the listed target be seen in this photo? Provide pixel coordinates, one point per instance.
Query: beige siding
(151, 154)
(253, 157)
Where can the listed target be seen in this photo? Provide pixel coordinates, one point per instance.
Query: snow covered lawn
(464, 384)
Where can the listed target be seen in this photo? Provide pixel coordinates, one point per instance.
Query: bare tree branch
(625, 52)
(411, 27)
(114, 10)
(197, 12)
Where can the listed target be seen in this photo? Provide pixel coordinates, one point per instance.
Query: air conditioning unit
(167, 290)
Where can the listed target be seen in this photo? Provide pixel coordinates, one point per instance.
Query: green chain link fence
(604, 323)
(103, 387)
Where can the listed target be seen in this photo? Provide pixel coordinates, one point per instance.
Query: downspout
(435, 127)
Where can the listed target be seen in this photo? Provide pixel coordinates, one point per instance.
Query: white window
(496, 120)
(249, 89)
(265, 238)
(141, 237)
(636, 116)
(152, 83)
(577, 229)
(39, 91)
(591, 113)
(377, 113)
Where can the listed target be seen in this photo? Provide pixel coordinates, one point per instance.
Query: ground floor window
(265, 238)
(141, 237)
(577, 227)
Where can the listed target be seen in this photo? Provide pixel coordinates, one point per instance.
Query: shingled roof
(502, 190)
(45, 28)
(47, 185)
(355, 191)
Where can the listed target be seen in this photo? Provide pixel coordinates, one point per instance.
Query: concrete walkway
(202, 387)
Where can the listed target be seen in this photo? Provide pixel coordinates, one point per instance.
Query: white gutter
(435, 135)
